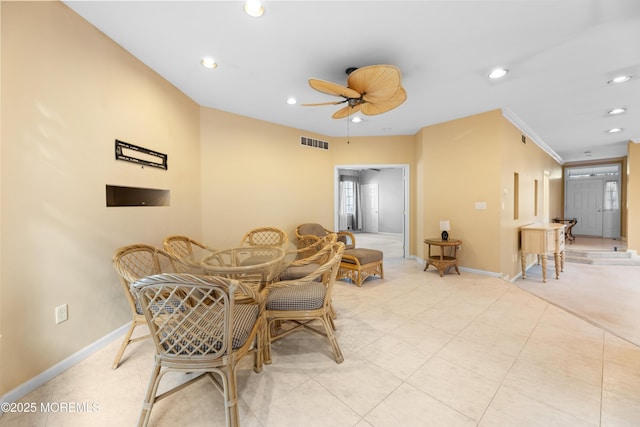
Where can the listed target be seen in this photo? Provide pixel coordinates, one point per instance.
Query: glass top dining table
(256, 265)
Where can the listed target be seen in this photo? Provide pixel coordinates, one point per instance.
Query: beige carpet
(605, 295)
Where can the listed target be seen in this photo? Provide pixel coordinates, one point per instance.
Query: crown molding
(517, 122)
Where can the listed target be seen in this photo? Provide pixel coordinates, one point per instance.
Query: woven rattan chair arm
(321, 271)
(349, 236)
(351, 258)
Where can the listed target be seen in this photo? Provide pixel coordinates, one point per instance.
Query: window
(611, 196)
(348, 195)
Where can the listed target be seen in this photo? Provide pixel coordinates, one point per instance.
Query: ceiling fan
(374, 89)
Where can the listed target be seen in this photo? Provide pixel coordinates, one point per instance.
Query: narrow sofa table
(540, 239)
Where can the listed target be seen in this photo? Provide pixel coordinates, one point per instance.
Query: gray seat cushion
(365, 256)
(298, 271)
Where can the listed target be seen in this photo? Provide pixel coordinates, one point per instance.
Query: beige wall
(471, 160)
(67, 93)
(530, 162)
(460, 169)
(633, 196)
(256, 173)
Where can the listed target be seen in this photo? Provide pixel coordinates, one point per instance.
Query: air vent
(315, 143)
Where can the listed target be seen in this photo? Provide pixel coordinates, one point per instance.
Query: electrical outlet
(61, 313)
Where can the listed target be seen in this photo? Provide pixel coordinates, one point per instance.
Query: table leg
(544, 269)
(523, 263)
(428, 257)
(557, 261)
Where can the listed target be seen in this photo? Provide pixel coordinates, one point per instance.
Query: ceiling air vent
(316, 143)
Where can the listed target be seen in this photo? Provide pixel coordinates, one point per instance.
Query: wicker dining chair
(293, 305)
(191, 252)
(132, 263)
(199, 327)
(357, 263)
(265, 236)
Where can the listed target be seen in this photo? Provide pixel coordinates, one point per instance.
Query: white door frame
(405, 175)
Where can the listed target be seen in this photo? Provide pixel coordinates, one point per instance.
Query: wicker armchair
(189, 251)
(265, 236)
(293, 304)
(132, 263)
(357, 263)
(318, 230)
(197, 327)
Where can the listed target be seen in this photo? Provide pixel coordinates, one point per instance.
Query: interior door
(369, 208)
(584, 202)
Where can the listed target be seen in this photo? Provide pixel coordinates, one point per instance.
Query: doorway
(382, 195)
(592, 196)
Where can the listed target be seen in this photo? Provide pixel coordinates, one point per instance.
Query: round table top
(254, 264)
(439, 242)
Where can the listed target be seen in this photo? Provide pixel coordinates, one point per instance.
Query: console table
(441, 261)
(541, 239)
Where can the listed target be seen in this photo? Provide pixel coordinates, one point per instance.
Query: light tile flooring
(420, 350)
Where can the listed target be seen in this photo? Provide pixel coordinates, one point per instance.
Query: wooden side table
(441, 261)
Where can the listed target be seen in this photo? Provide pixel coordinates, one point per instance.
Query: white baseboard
(468, 270)
(35, 382)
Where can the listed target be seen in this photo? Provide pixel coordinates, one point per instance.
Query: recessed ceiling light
(292, 101)
(614, 130)
(356, 119)
(208, 63)
(498, 73)
(254, 8)
(619, 79)
(617, 111)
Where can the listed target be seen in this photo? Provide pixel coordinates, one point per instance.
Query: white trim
(42, 378)
(467, 269)
(517, 122)
(481, 272)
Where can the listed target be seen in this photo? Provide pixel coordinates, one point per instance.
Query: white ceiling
(560, 53)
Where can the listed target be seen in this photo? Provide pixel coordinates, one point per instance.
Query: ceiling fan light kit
(372, 90)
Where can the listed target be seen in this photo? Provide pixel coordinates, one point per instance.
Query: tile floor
(420, 350)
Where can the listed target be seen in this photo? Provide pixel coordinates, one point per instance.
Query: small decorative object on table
(445, 227)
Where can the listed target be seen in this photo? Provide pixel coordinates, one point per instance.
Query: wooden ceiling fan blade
(346, 111)
(371, 109)
(376, 82)
(333, 89)
(324, 103)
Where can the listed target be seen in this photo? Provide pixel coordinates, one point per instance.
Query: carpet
(607, 296)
